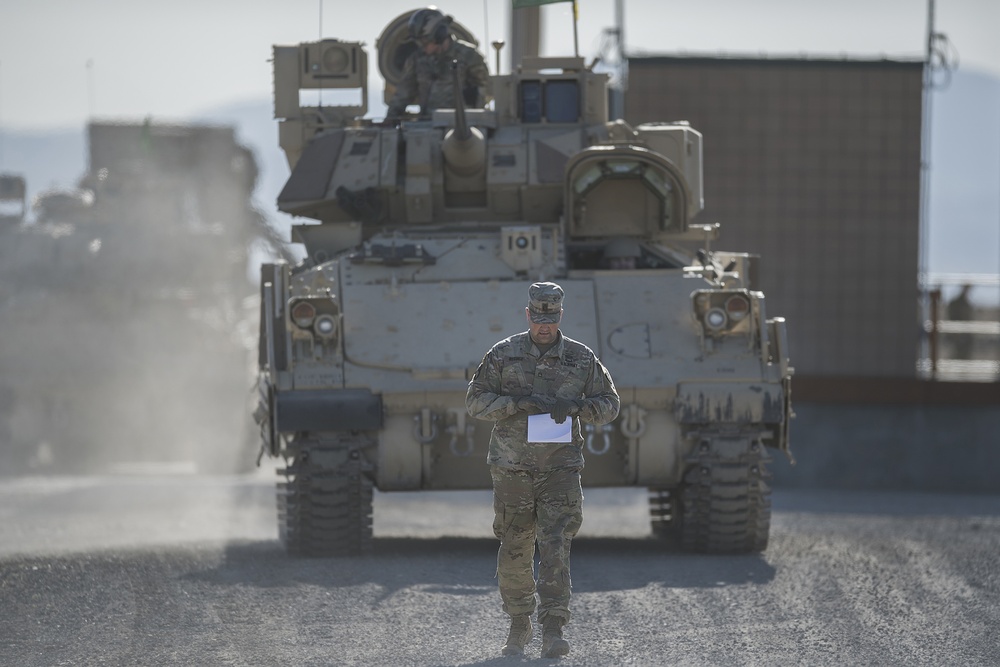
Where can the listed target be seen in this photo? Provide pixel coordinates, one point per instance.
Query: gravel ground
(184, 570)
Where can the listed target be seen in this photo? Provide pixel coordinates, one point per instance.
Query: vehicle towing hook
(425, 426)
(457, 429)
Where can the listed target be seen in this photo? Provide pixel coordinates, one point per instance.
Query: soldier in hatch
(622, 254)
(427, 78)
(536, 485)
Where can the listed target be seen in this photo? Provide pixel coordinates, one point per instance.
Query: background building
(815, 165)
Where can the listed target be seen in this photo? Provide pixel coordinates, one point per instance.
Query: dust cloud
(128, 321)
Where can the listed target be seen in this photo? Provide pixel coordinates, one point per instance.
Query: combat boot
(519, 635)
(553, 644)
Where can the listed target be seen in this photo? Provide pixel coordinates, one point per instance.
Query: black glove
(534, 405)
(564, 407)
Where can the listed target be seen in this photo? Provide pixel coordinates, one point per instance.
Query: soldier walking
(536, 485)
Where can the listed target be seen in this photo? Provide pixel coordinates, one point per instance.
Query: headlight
(715, 319)
(326, 326)
(303, 314)
(737, 307)
(723, 312)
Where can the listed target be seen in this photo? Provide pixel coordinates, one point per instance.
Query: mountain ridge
(964, 158)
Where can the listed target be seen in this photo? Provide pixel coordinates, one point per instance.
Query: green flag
(535, 3)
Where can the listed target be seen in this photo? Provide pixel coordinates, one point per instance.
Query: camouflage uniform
(536, 486)
(427, 79)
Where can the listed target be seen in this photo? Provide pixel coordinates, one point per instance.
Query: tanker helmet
(429, 25)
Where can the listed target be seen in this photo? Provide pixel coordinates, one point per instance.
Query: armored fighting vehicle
(127, 312)
(428, 236)
(12, 198)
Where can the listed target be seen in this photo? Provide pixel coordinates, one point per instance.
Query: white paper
(542, 428)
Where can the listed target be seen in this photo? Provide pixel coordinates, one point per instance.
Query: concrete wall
(913, 447)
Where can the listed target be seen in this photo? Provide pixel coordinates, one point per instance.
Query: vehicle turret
(549, 114)
(464, 147)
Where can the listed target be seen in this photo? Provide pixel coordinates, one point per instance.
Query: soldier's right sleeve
(406, 90)
(483, 400)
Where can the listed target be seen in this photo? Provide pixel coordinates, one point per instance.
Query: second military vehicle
(428, 236)
(127, 312)
(12, 198)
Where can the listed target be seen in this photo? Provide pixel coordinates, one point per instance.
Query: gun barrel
(462, 131)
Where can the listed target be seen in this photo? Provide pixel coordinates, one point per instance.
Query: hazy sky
(62, 60)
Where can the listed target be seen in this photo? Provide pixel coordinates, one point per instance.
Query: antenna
(498, 45)
(1, 117)
(91, 95)
(486, 27)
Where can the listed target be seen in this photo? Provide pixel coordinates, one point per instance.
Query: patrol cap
(545, 303)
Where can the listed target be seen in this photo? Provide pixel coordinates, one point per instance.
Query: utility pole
(926, 347)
